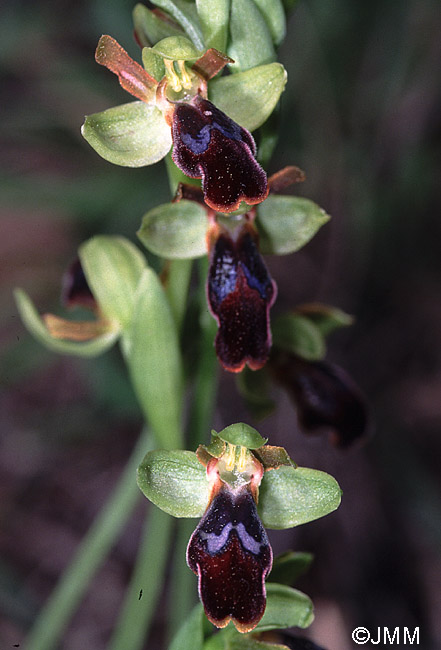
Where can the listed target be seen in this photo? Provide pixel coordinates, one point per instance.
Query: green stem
(90, 555)
(176, 288)
(205, 384)
(146, 583)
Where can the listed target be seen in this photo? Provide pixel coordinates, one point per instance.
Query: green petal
(285, 607)
(274, 14)
(299, 335)
(35, 325)
(214, 16)
(241, 434)
(177, 48)
(175, 230)
(113, 268)
(186, 16)
(249, 97)
(289, 566)
(175, 481)
(291, 496)
(150, 28)
(190, 635)
(286, 223)
(131, 135)
(251, 43)
(154, 360)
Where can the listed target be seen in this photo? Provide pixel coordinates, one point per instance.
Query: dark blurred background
(361, 115)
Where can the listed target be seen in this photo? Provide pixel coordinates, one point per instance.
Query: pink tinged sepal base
(240, 294)
(230, 553)
(210, 145)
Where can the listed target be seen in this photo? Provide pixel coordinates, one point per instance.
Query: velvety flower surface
(210, 145)
(230, 553)
(240, 295)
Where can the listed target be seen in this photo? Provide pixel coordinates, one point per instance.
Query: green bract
(251, 43)
(288, 566)
(299, 335)
(154, 360)
(185, 15)
(175, 230)
(274, 14)
(150, 28)
(286, 223)
(249, 97)
(131, 135)
(325, 317)
(285, 607)
(241, 434)
(113, 267)
(292, 496)
(214, 16)
(175, 481)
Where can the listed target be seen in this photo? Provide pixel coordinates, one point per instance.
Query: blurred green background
(361, 115)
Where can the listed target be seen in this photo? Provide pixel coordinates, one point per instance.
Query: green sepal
(289, 566)
(175, 481)
(185, 14)
(241, 434)
(287, 223)
(154, 360)
(150, 28)
(249, 97)
(214, 16)
(36, 326)
(254, 387)
(113, 267)
(190, 635)
(298, 335)
(285, 607)
(250, 38)
(130, 135)
(153, 63)
(325, 317)
(274, 14)
(291, 496)
(175, 230)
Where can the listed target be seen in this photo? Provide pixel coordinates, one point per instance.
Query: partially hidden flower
(325, 396)
(238, 485)
(90, 284)
(207, 144)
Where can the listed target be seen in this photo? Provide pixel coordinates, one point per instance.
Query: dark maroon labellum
(325, 396)
(230, 553)
(210, 145)
(75, 291)
(240, 295)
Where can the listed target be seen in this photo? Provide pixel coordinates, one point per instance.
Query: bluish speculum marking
(199, 141)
